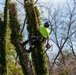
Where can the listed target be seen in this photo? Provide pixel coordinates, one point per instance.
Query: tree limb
(71, 45)
(20, 2)
(24, 24)
(36, 1)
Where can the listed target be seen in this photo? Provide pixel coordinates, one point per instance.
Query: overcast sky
(55, 2)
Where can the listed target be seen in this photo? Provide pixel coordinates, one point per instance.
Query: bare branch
(20, 2)
(2, 3)
(61, 42)
(63, 59)
(71, 45)
(72, 34)
(36, 1)
(24, 24)
(56, 58)
(52, 29)
(57, 43)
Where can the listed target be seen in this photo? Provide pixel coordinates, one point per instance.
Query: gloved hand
(48, 45)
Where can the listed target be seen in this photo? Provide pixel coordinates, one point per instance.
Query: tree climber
(44, 36)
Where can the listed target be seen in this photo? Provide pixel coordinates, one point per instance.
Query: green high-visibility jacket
(45, 32)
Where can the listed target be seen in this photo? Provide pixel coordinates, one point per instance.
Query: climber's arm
(38, 27)
(47, 40)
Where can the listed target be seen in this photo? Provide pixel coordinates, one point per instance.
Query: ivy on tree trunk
(2, 49)
(38, 55)
(16, 36)
(3, 27)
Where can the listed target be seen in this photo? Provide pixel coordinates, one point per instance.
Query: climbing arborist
(44, 36)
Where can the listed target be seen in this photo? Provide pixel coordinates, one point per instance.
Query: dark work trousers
(32, 41)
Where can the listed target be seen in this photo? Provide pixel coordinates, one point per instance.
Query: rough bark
(16, 36)
(2, 49)
(38, 55)
(3, 27)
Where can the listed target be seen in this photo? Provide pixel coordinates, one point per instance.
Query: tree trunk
(3, 26)
(16, 36)
(2, 49)
(38, 55)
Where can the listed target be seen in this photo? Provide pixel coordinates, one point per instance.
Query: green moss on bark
(3, 27)
(38, 56)
(15, 35)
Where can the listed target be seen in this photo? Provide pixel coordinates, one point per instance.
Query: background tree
(68, 22)
(62, 17)
(70, 67)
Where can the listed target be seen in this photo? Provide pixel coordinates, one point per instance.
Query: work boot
(48, 46)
